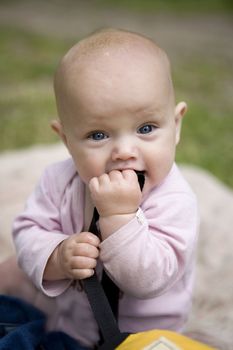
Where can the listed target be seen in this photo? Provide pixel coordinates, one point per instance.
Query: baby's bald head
(97, 50)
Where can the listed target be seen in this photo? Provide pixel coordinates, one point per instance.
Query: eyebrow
(147, 112)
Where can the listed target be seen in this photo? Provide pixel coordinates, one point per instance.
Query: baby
(117, 117)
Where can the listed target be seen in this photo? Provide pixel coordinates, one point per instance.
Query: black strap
(110, 288)
(101, 307)
(112, 293)
(104, 302)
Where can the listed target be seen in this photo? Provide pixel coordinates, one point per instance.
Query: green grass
(26, 56)
(200, 6)
(207, 141)
(27, 65)
(207, 133)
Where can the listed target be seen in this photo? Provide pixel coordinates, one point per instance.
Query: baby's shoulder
(175, 183)
(60, 174)
(173, 195)
(63, 167)
(173, 186)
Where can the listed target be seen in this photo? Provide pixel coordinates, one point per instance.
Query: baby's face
(122, 116)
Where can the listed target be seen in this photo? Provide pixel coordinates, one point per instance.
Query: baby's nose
(124, 150)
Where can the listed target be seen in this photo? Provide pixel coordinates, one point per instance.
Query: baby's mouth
(141, 178)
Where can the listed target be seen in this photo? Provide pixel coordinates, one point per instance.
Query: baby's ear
(58, 128)
(180, 110)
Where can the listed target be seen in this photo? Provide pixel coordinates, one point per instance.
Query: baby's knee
(13, 281)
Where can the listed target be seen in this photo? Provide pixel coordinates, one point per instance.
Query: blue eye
(145, 129)
(98, 136)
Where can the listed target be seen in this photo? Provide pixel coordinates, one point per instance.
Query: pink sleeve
(149, 254)
(36, 233)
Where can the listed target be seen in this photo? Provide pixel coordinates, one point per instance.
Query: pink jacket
(151, 258)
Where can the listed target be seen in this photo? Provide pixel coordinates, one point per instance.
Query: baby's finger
(115, 175)
(80, 274)
(104, 181)
(94, 184)
(82, 262)
(86, 250)
(129, 175)
(88, 237)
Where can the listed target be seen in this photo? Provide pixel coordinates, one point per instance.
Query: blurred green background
(197, 36)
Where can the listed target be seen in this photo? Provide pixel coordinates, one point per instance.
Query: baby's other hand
(77, 255)
(116, 193)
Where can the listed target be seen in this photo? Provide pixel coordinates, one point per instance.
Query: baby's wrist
(53, 270)
(111, 211)
(109, 224)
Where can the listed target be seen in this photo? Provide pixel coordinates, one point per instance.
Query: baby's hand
(116, 193)
(77, 255)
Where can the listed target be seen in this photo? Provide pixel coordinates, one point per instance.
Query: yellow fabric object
(161, 340)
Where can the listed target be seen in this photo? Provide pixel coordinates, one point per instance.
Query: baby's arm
(74, 258)
(152, 252)
(156, 243)
(117, 196)
(46, 251)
